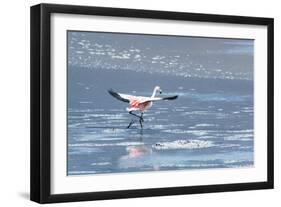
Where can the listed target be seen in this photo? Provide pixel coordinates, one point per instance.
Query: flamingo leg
(140, 119)
(130, 124)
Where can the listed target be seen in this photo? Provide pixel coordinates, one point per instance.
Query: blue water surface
(210, 125)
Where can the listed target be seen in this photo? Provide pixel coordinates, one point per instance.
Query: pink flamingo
(139, 103)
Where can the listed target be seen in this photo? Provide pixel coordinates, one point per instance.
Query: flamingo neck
(154, 92)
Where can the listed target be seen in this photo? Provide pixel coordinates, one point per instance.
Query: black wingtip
(174, 97)
(116, 95)
(171, 98)
(111, 91)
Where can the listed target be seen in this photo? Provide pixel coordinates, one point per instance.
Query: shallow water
(210, 125)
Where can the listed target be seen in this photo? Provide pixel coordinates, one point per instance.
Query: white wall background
(14, 102)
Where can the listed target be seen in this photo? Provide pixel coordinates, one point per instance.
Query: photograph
(139, 103)
(129, 103)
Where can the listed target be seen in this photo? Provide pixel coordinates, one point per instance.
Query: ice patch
(204, 165)
(110, 139)
(81, 172)
(229, 145)
(162, 108)
(194, 132)
(158, 126)
(113, 130)
(247, 111)
(74, 125)
(231, 161)
(106, 116)
(240, 131)
(100, 163)
(105, 144)
(203, 125)
(240, 137)
(183, 144)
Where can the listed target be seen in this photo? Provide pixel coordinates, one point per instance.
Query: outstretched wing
(160, 98)
(119, 96)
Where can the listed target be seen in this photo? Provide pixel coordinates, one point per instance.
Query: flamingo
(139, 103)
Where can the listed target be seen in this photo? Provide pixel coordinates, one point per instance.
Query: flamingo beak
(160, 91)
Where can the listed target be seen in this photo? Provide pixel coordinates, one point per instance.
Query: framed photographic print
(132, 103)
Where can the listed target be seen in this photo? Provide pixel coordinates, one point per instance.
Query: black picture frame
(40, 184)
